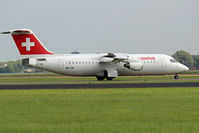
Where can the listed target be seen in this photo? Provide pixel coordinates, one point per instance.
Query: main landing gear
(176, 76)
(100, 78)
(109, 78)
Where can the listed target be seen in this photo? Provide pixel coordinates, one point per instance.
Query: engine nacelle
(136, 65)
(29, 62)
(106, 59)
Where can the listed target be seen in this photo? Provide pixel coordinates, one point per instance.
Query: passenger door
(61, 65)
(163, 62)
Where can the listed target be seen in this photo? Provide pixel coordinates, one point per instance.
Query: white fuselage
(90, 65)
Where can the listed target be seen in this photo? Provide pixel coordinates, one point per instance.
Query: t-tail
(28, 44)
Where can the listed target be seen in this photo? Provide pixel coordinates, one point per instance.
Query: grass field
(133, 110)
(49, 78)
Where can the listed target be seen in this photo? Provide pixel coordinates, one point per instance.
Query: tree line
(11, 67)
(184, 57)
(16, 67)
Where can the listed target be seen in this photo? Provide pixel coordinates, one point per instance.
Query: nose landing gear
(176, 76)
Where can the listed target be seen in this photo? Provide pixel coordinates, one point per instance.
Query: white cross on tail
(27, 44)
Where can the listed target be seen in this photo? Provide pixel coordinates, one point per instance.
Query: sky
(91, 26)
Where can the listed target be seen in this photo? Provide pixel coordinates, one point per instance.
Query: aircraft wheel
(110, 78)
(176, 77)
(100, 78)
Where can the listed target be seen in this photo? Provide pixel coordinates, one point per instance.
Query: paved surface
(94, 86)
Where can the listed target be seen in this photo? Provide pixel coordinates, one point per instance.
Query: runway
(98, 85)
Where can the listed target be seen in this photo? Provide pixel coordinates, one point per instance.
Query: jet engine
(29, 62)
(135, 65)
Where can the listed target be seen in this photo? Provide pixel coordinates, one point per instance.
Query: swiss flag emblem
(27, 44)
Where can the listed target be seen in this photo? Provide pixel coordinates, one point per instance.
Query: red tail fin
(27, 43)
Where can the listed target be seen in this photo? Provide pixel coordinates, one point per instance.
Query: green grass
(135, 110)
(191, 72)
(31, 82)
(56, 79)
(27, 74)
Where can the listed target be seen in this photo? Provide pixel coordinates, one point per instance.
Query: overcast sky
(90, 26)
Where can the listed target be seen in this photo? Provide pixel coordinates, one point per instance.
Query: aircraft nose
(182, 68)
(186, 68)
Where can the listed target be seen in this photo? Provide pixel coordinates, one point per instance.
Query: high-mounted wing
(113, 57)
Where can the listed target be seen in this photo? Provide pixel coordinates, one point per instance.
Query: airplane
(101, 65)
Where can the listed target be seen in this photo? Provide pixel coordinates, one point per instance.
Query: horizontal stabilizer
(19, 31)
(8, 32)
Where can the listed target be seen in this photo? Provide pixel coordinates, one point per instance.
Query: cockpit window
(172, 60)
